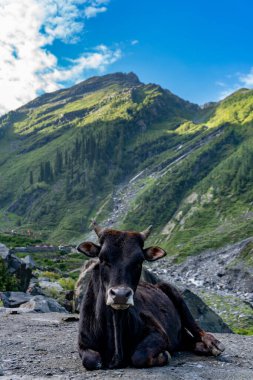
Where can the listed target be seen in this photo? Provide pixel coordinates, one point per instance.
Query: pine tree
(58, 162)
(42, 172)
(31, 177)
(66, 158)
(48, 172)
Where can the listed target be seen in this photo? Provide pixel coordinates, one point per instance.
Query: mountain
(129, 154)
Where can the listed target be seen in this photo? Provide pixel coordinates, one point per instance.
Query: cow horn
(145, 234)
(98, 229)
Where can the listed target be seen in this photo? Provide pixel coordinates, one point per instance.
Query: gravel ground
(43, 346)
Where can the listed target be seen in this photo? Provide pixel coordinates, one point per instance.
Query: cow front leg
(201, 341)
(209, 345)
(150, 352)
(91, 359)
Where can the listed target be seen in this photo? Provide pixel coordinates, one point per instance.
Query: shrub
(8, 282)
(50, 275)
(67, 283)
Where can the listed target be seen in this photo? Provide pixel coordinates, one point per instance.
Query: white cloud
(134, 42)
(27, 29)
(247, 79)
(96, 60)
(228, 91)
(240, 80)
(93, 11)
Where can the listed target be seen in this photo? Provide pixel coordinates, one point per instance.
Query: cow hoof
(163, 358)
(209, 345)
(92, 366)
(91, 360)
(116, 362)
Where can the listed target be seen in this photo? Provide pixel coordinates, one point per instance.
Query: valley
(129, 155)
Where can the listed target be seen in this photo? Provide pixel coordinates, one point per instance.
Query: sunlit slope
(63, 153)
(206, 199)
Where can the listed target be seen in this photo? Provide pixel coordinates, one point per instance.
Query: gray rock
(29, 262)
(223, 268)
(4, 251)
(35, 290)
(204, 315)
(42, 304)
(50, 285)
(14, 299)
(25, 301)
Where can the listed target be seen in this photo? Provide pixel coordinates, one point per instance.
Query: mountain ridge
(65, 155)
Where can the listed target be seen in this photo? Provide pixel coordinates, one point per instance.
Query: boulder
(24, 302)
(28, 260)
(34, 289)
(14, 299)
(20, 267)
(44, 284)
(41, 304)
(4, 251)
(204, 315)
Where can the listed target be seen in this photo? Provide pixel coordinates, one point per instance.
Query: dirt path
(42, 346)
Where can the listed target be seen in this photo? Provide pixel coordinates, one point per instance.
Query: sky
(200, 50)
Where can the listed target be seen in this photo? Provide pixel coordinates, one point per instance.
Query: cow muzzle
(120, 297)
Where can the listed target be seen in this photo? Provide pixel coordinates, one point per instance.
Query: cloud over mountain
(28, 29)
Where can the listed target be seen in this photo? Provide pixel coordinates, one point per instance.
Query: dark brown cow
(127, 322)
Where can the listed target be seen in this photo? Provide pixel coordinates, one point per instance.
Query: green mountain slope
(131, 155)
(63, 153)
(205, 200)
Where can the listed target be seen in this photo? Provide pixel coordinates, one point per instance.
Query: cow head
(121, 254)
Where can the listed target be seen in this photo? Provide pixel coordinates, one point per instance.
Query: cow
(128, 322)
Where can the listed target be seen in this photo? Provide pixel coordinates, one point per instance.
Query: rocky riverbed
(44, 346)
(223, 278)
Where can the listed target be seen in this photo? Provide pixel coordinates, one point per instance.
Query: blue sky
(200, 50)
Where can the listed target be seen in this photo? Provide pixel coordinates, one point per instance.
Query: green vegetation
(50, 275)
(7, 281)
(63, 155)
(68, 156)
(55, 264)
(67, 283)
(245, 258)
(17, 240)
(237, 314)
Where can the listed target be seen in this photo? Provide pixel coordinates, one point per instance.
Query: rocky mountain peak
(98, 82)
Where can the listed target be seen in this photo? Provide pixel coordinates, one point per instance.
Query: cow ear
(153, 253)
(89, 249)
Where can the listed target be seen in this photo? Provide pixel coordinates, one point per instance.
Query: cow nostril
(113, 293)
(128, 293)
